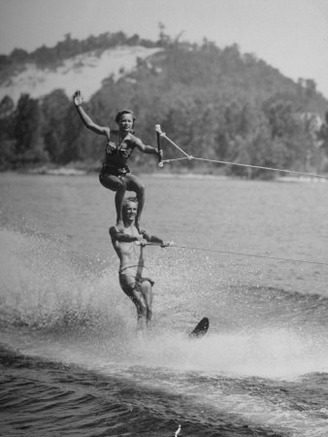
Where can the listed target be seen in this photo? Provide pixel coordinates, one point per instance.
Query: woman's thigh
(133, 183)
(110, 181)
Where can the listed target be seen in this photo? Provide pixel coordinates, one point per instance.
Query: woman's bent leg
(115, 183)
(119, 196)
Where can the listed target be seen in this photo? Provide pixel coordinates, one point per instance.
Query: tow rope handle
(148, 243)
(159, 134)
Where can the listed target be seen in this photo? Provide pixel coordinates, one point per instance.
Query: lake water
(250, 255)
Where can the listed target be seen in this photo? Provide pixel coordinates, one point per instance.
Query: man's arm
(156, 240)
(152, 238)
(87, 121)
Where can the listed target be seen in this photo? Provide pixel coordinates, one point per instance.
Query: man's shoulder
(117, 231)
(113, 230)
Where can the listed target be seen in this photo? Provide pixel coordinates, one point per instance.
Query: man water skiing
(129, 244)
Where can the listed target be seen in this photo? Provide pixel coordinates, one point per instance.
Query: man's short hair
(128, 200)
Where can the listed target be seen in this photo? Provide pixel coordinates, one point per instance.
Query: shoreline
(72, 171)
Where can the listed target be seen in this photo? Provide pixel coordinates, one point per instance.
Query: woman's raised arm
(86, 119)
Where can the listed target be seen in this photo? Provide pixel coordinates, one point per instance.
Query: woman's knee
(111, 182)
(135, 184)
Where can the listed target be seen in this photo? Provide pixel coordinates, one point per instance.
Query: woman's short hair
(125, 111)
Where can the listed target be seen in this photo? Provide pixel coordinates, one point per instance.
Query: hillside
(85, 71)
(216, 103)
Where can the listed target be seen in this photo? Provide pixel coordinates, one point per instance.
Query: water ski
(200, 329)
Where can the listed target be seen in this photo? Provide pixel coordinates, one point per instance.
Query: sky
(290, 35)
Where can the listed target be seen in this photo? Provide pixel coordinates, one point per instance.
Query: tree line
(215, 103)
(53, 56)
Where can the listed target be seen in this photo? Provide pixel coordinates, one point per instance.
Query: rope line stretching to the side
(230, 252)
(216, 161)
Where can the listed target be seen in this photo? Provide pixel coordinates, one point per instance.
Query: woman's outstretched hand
(77, 98)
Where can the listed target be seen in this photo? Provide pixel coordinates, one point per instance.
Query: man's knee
(146, 286)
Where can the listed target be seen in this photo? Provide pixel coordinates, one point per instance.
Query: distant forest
(214, 103)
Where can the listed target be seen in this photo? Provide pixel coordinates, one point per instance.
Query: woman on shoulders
(115, 173)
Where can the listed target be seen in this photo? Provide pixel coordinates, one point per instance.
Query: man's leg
(147, 293)
(141, 294)
(141, 306)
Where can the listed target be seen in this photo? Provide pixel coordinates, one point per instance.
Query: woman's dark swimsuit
(115, 162)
